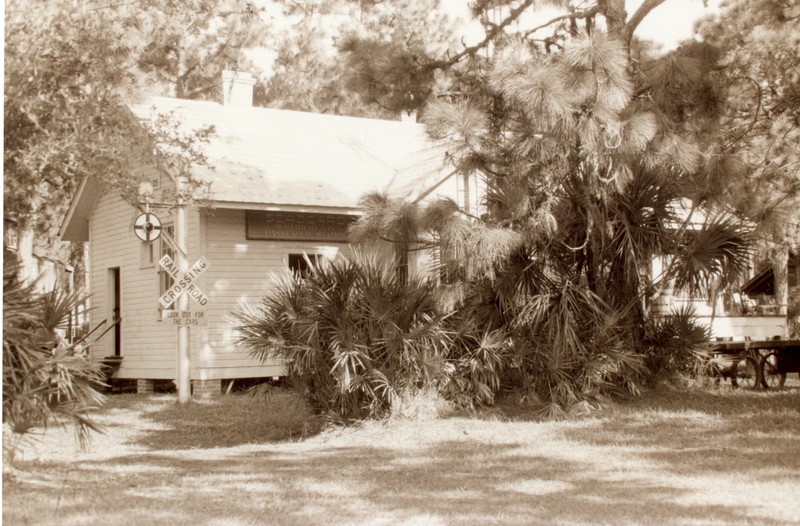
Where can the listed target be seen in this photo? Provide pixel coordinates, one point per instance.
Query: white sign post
(183, 286)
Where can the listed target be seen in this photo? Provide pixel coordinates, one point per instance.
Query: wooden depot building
(282, 184)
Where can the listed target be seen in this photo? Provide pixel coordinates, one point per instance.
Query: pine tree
(586, 145)
(318, 66)
(762, 120)
(188, 44)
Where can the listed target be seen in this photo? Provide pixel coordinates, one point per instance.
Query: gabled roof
(423, 171)
(764, 281)
(264, 158)
(279, 157)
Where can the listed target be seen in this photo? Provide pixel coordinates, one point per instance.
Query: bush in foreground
(44, 378)
(362, 341)
(354, 334)
(674, 345)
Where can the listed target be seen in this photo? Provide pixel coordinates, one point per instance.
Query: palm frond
(386, 219)
(43, 375)
(719, 251)
(352, 333)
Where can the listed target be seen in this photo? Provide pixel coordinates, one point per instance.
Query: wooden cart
(760, 363)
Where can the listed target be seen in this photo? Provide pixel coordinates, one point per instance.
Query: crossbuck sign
(183, 281)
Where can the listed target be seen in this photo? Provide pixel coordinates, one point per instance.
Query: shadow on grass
(752, 436)
(453, 482)
(661, 459)
(226, 421)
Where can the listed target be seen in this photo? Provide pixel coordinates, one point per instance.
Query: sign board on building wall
(297, 226)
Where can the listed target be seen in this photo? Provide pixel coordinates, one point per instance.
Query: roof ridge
(174, 100)
(289, 157)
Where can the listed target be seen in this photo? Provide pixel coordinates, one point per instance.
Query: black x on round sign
(147, 227)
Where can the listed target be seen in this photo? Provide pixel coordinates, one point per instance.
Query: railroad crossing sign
(147, 227)
(183, 281)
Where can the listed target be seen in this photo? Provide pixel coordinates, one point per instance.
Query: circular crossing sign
(147, 227)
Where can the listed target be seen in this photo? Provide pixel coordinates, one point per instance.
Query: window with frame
(149, 254)
(301, 264)
(165, 281)
(401, 262)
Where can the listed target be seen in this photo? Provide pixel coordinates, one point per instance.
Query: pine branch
(586, 13)
(220, 49)
(490, 36)
(112, 6)
(756, 115)
(205, 88)
(634, 21)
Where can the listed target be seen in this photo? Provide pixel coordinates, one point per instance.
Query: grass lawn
(702, 457)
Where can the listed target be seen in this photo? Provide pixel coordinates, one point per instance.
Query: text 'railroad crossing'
(183, 282)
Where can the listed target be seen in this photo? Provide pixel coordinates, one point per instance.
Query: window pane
(165, 249)
(298, 263)
(401, 263)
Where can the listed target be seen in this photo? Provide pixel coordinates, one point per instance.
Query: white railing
(743, 327)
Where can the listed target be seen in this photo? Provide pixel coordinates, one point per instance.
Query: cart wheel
(770, 377)
(746, 373)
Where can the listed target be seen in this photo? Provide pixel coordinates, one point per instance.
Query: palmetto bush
(578, 347)
(353, 333)
(474, 366)
(559, 345)
(673, 345)
(44, 378)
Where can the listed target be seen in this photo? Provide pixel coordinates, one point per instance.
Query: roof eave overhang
(75, 226)
(282, 207)
(761, 283)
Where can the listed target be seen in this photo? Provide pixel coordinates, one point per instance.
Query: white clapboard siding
(148, 344)
(241, 271)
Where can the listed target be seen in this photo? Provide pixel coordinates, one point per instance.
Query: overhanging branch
(637, 17)
(490, 36)
(587, 13)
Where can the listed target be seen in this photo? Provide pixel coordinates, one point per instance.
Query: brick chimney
(237, 88)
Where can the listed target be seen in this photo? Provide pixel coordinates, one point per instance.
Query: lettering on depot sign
(296, 226)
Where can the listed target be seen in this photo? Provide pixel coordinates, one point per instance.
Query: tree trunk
(615, 15)
(780, 270)
(27, 264)
(794, 322)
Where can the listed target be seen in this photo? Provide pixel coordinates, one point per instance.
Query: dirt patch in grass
(703, 457)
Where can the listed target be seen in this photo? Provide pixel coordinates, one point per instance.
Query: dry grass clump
(421, 405)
